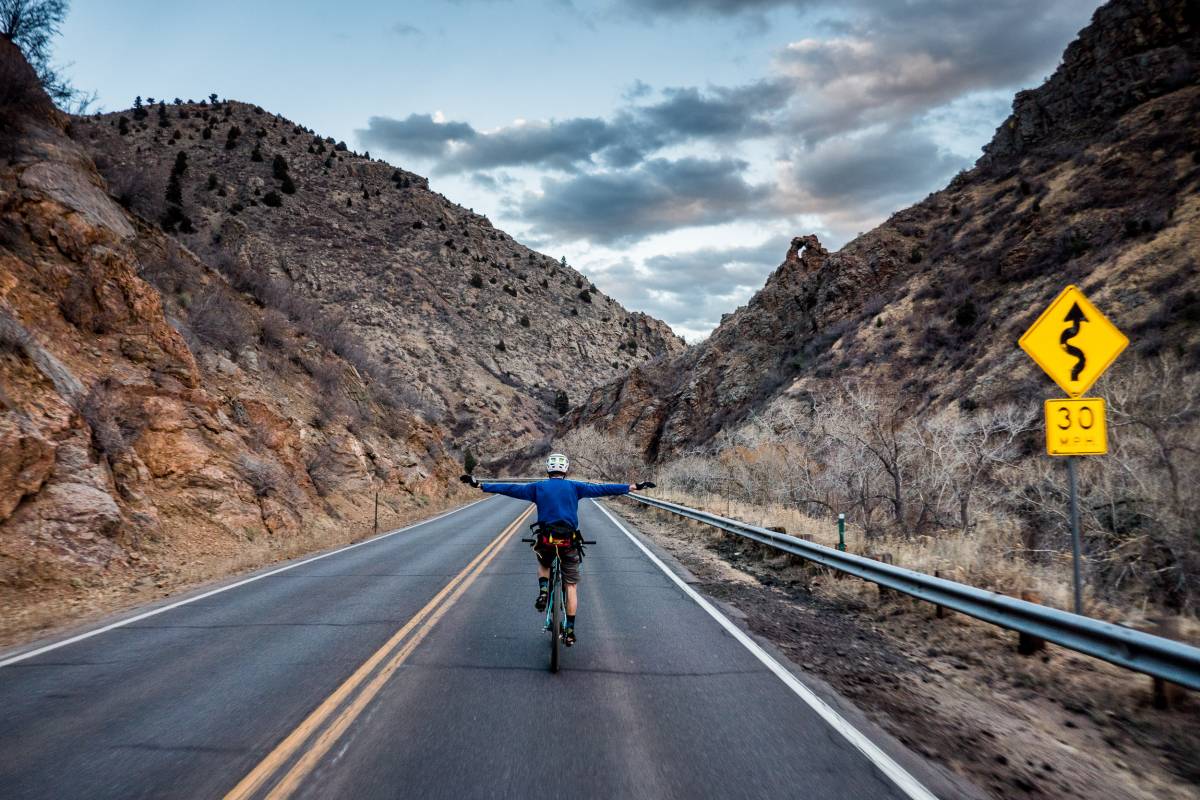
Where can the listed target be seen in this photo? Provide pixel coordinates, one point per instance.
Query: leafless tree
(602, 457)
(959, 451)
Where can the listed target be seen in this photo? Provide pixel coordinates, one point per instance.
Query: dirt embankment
(1055, 724)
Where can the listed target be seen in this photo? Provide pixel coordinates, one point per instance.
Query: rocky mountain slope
(1092, 180)
(151, 439)
(484, 334)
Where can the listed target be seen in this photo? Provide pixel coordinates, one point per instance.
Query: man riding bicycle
(557, 502)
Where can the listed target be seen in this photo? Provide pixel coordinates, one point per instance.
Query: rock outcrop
(129, 450)
(1093, 180)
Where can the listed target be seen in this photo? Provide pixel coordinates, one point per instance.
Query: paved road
(414, 666)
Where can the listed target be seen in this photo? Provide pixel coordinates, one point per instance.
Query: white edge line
(898, 775)
(252, 579)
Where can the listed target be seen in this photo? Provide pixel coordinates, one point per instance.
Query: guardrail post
(1028, 644)
(938, 611)
(885, 593)
(1165, 694)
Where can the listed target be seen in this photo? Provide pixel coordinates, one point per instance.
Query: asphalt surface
(655, 700)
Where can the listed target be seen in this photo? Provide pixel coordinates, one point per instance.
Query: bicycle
(558, 597)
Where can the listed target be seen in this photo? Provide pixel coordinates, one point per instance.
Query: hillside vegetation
(484, 335)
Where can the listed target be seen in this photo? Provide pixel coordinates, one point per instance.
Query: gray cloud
(849, 112)
(404, 29)
(882, 61)
(854, 182)
(493, 183)
(621, 206)
(690, 291)
(632, 135)
(553, 145)
(873, 169)
(896, 61)
(416, 135)
(722, 8)
(737, 112)
(637, 90)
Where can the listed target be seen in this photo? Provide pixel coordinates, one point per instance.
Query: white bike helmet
(557, 462)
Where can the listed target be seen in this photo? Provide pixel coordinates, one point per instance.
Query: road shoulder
(699, 575)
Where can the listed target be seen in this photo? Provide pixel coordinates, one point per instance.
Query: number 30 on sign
(1076, 427)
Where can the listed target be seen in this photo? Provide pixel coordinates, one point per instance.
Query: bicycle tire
(555, 619)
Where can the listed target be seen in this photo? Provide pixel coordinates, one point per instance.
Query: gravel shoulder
(1055, 724)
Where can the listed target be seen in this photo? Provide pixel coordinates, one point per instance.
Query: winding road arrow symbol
(1076, 318)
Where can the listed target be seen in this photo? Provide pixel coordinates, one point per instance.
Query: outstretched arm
(521, 491)
(601, 489)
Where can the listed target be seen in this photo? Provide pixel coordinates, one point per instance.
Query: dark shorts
(569, 558)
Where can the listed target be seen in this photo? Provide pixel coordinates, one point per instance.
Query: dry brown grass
(990, 556)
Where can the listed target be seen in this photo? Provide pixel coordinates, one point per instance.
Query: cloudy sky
(669, 149)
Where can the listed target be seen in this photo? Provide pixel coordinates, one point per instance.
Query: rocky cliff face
(485, 335)
(1093, 180)
(130, 451)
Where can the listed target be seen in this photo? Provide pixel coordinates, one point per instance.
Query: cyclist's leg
(570, 566)
(544, 560)
(570, 563)
(572, 599)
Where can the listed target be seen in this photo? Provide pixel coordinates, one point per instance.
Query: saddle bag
(556, 534)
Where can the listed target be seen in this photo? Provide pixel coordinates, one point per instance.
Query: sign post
(1072, 479)
(1074, 343)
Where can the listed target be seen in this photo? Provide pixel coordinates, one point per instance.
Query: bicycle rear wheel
(556, 613)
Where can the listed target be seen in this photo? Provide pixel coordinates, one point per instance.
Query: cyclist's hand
(644, 485)
(469, 479)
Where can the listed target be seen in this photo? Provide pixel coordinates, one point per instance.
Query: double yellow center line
(297, 755)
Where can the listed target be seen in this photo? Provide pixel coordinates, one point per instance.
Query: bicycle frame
(556, 587)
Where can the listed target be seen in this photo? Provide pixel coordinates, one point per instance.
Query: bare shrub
(114, 426)
(319, 467)
(266, 477)
(135, 189)
(219, 320)
(275, 329)
(601, 456)
(171, 273)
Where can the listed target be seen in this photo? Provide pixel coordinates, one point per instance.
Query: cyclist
(558, 506)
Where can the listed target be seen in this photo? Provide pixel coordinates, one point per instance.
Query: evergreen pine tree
(174, 190)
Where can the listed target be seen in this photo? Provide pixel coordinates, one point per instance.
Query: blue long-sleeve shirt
(557, 499)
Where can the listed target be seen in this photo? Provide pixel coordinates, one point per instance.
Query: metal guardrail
(1142, 652)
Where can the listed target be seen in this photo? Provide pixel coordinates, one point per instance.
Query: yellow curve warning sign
(1076, 427)
(1073, 342)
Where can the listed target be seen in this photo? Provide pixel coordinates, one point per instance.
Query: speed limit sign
(1076, 427)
